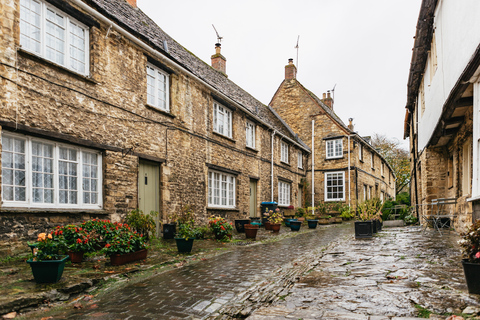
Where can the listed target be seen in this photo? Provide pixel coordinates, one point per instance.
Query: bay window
(47, 174)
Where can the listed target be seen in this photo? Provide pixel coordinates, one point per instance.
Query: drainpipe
(271, 187)
(313, 166)
(349, 179)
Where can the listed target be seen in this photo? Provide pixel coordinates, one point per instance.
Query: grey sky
(364, 47)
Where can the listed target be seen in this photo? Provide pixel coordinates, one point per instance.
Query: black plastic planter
(363, 229)
(240, 225)
(169, 230)
(472, 276)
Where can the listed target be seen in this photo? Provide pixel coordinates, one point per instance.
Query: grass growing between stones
(422, 312)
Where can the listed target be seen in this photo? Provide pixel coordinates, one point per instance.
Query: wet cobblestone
(199, 290)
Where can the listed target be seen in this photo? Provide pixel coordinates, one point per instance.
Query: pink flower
(477, 255)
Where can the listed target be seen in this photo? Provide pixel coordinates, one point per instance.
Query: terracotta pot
(275, 227)
(332, 220)
(76, 257)
(323, 221)
(338, 220)
(302, 219)
(119, 259)
(251, 231)
(268, 225)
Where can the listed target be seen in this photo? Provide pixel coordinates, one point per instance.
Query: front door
(149, 188)
(253, 198)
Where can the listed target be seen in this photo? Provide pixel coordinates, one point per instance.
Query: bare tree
(397, 158)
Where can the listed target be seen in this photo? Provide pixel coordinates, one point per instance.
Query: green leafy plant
(125, 242)
(300, 212)
(410, 219)
(76, 239)
(370, 210)
(142, 223)
(470, 243)
(346, 212)
(186, 223)
(48, 248)
(220, 227)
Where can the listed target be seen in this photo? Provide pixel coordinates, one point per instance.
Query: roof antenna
(296, 47)
(333, 94)
(219, 39)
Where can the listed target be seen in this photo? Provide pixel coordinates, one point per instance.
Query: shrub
(471, 243)
(125, 242)
(142, 223)
(220, 227)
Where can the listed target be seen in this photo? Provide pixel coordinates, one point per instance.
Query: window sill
(224, 137)
(222, 209)
(51, 211)
(166, 113)
(55, 65)
(285, 163)
(334, 158)
(251, 149)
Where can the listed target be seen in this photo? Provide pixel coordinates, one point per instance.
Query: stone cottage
(102, 112)
(442, 117)
(346, 168)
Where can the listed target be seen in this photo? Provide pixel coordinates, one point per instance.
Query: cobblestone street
(325, 274)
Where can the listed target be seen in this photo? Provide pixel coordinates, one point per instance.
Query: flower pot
(323, 221)
(332, 220)
(338, 220)
(312, 223)
(302, 219)
(363, 229)
(183, 245)
(47, 271)
(251, 231)
(76, 257)
(169, 230)
(472, 276)
(287, 222)
(275, 227)
(374, 226)
(119, 259)
(268, 225)
(240, 223)
(379, 225)
(295, 225)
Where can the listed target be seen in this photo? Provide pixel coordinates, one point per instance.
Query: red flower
(61, 232)
(223, 228)
(79, 240)
(107, 245)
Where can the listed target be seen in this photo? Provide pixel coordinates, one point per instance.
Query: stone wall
(108, 112)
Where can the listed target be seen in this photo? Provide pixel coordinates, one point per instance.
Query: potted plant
(142, 223)
(470, 244)
(295, 225)
(125, 246)
(46, 262)
(170, 227)
(186, 230)
(275, 218)
(221, 228)
(76, 241)
(240, 223)
(368, 212)
(251, 231)
(311, 221)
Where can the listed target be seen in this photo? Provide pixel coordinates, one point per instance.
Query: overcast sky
(362, 48)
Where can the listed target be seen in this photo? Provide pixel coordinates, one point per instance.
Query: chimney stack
(327, 99)
(218, 61)
(290, 70)
(133, 3)
(350, 124)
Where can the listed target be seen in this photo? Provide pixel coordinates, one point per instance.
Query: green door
(149, 187)
(253, 198)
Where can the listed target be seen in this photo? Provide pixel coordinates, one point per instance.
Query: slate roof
(135, 21)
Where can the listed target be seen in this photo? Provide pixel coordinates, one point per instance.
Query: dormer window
(334, 149)
(53, 35)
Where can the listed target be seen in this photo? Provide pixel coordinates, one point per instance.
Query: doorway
(253, 198)
(149, 188)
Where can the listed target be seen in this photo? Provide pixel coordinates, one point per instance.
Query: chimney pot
(290, 70)
(133, 3)
(350, 124)
(324, 95)
(218, 61)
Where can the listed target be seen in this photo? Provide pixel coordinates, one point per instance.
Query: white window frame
(284, 191)
(334, 149)
(300, 160)
(27, 38)
(221, 186)
(222, 120)
(159, 91)
(326, 192)
(80, 167)
(284, 152)
(250, 134)
(365, 192)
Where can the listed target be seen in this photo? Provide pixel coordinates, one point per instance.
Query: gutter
(165, 60)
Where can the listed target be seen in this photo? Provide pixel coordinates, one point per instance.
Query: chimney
(133, 3)
(350, 124)
(290, 70)
(218, 61)
(327, 99)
